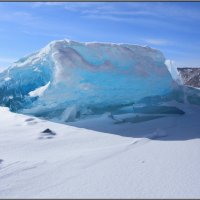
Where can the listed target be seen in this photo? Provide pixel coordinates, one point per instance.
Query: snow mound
(96, 158)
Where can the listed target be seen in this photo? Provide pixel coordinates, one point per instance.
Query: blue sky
(172, 27)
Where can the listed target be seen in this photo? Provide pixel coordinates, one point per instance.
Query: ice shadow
(169, 126)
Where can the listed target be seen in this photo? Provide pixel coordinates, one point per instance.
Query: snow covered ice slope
(42, 159)
(80, 77)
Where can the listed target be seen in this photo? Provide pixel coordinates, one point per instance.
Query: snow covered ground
(100, 158)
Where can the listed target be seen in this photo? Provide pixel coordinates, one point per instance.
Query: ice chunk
(39, 91)
(88, 76)
(7, 78)
(69, 114)
(174, 71)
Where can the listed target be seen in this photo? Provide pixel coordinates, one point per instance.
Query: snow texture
(101, 158)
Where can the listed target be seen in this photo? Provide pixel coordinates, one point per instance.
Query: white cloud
(155, 9)
(109, 17)
(40, 4)
(145, 13)
(46, 34)
(6, 61)
(153, 41)
(19, 17)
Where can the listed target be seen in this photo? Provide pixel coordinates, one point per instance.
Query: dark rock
(190, 76)
(49, 131)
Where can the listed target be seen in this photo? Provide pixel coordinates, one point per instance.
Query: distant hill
(190, 76)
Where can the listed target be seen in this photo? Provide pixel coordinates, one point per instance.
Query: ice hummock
(83, 77)
(174, 71)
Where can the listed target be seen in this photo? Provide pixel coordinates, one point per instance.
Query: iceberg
(68, 78)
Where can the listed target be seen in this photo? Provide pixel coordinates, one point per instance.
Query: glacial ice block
(83, 76)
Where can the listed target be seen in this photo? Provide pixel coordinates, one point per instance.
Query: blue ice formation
(68, 78)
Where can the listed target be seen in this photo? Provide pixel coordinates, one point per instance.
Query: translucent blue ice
(84, 77)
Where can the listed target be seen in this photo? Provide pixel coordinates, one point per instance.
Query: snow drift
(68, 78)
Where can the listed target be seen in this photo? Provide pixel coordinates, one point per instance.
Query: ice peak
(62, 42)
(172, 67)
